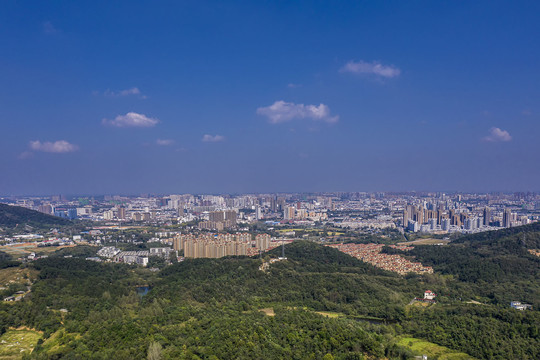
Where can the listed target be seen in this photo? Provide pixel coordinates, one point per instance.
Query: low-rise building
(429, 295)
(519, 306)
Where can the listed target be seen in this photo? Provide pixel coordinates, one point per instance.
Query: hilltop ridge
(15, 216)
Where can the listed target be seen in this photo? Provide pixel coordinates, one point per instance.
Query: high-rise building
(288, 213)
(46, 209)
(413, 226)
(405, 221)
(445, 224)
(258, 212)
(216, 216)
(121, 213)
(440, 214)
(470, 223)
(230, 216)
(507, 218)
(273, 204)
(487, 216)
(108, 215)
(262, 241)
(301, 214)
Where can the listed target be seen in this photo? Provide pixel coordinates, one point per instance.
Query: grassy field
(428, 241)
(329, 314)
(268, 311)
(25, 249)
(421, 304)
(433, 351)
(57, 342)
(15, 343)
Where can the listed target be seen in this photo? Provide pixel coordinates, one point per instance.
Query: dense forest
(494, 267)
(229, 308)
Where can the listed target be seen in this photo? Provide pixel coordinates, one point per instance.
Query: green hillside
(494, 267)
(18, 217)
(308, 256)
(319, 303)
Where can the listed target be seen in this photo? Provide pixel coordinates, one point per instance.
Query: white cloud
(293, 86)
(214, 138)
(164, 142)
(131, 119)
(497, 135)
(282, 111)
(25, 155)
(48, 28)
(60, 146)
(374, 68)
(126, 92)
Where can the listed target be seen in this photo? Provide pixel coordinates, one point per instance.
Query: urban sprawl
(213, 226)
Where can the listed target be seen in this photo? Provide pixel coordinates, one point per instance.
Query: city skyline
(211, 97)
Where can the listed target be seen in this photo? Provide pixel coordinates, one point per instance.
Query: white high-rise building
(445, 224)
(258, 212)
(289, 213)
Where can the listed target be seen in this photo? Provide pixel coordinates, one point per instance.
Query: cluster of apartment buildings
(298, 212)
(219, 245)
(219, 220)
(133, 257)
(371, 253)
(430, 218)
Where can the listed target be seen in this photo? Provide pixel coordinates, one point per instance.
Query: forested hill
(309, 256)
(497, 263)
(16, 216)
(529, 233)
(229, 308)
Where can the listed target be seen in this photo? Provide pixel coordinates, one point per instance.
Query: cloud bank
(131, 119)
(282, 111)
(373, 68)
(126, 92)
(60, 146)
(164, 142)
(214, 138)
(497, 135)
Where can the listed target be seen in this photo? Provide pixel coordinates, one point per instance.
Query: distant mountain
(16, 216)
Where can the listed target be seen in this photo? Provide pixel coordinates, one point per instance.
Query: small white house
(519, 306)
(429, 295)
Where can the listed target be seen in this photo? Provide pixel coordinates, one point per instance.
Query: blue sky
(133, 97)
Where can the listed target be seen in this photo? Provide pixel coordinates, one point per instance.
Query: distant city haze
(209, 97)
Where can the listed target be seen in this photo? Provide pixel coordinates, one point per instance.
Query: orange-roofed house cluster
(371, 253)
